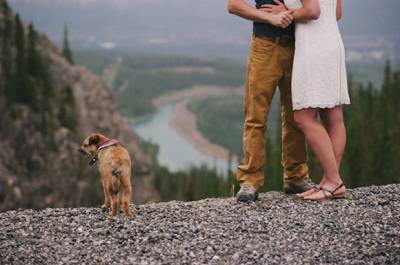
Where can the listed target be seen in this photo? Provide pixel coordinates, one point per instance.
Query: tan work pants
(269, 66)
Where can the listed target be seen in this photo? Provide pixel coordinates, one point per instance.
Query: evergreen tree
(34, 67)
(67, 114)
(66, 47)
(6, 56)
(24, 92)
(387, 80)
(20, 76)
(34, 64)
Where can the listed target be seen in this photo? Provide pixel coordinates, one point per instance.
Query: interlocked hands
(281, 17)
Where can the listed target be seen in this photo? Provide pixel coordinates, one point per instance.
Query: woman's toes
(315, 196)
(306, 193)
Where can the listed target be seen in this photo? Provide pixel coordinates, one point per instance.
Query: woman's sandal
(332, 193)
(315, 188)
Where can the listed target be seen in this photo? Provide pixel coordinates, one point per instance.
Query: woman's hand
(274, 9)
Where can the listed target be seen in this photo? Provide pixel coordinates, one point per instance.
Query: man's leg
(263, 74)
(294, 151)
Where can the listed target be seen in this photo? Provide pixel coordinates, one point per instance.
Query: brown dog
(114, 165)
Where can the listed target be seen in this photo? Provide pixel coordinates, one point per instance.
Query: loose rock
(279, 229)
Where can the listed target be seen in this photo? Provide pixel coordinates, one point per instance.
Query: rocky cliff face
(41, 167)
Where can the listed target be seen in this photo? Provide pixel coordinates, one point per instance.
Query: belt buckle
(285, 41)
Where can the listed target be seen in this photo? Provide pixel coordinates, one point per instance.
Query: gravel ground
(278, 229)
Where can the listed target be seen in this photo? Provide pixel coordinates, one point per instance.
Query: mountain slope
(39, 162)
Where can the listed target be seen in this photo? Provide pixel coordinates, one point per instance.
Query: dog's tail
(116, 178)
(116, 172)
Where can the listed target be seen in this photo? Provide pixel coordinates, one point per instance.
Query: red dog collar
(102, 145)
(106, 144)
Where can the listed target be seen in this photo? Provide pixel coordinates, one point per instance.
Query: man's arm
(309, 11)
(339, 10)
(246, 11)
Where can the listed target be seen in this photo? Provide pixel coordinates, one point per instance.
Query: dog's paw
(105, 206)
(112, 216)
(130, 216)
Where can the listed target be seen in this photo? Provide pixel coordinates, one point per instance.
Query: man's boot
(247, 193)
(298, 186)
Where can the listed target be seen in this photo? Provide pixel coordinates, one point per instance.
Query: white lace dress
(319, 72)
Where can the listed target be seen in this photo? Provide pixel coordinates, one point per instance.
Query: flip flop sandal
(315, 188)
(330, 194)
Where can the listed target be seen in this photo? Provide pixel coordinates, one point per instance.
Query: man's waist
(270, 30)
(282, 40)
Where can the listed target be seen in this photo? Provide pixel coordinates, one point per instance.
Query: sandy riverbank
(196, 92)
(184, 122)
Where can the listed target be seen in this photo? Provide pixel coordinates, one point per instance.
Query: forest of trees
(373, 130)
(26, 78)
(25, 75)
(188, 185)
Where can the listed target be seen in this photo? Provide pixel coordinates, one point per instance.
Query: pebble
(277, 229)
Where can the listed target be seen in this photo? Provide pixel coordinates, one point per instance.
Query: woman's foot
(308, 192)
(327, 191)
(312, 190)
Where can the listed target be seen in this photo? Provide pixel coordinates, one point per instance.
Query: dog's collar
(102, 145)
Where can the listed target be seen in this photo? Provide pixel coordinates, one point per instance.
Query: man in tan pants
(269, 66)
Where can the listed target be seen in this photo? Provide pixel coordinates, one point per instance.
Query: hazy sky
(190, 25)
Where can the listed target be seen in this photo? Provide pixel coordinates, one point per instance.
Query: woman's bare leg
(334, 124)
(320, 142)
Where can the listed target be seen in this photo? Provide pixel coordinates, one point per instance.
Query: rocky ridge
(34, 174)
(278, 229)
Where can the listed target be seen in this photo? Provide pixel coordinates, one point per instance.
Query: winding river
(176, 152)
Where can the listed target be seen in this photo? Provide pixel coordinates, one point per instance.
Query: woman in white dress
(319, 86)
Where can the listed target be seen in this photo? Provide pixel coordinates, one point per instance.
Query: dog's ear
(94, 139)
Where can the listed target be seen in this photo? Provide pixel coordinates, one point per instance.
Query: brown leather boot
(298, 186)
(247, 193)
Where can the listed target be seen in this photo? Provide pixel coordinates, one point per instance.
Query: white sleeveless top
(319, 72)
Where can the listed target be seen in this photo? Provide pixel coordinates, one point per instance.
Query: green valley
(137, 79)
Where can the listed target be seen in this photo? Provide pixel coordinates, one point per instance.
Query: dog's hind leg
(114, 204)
(126, 198)
(115, 186)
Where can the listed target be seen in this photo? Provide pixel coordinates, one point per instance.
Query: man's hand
(281, 20)
(242, 9)
(274, 9)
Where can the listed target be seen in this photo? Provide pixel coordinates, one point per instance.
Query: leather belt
(284, 40)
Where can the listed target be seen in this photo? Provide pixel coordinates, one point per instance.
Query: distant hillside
(201, 28)
(139, 78)
(47, 107)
